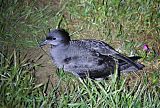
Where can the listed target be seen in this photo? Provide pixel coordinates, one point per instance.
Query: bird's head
(56, 37)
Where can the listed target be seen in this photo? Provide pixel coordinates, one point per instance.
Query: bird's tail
(125, 67)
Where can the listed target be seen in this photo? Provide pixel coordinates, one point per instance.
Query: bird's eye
(50, 38)
(53, 38)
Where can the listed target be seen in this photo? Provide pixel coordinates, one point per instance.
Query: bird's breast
(59, 57)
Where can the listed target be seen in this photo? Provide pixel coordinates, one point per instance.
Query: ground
(125, 25)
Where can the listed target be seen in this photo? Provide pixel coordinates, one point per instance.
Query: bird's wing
(106, 49)
(92, 63)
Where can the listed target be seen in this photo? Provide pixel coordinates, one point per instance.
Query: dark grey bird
(89, 57)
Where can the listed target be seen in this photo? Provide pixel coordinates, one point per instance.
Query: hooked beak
(45, 42)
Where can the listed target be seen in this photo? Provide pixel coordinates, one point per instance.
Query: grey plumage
(86, 57)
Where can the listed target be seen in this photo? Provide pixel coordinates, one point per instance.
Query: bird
(87, 57)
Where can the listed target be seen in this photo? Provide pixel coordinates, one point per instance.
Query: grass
(126, 25)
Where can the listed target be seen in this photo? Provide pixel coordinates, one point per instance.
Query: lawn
(29, 79)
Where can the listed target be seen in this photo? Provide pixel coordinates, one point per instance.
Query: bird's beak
(45, 42)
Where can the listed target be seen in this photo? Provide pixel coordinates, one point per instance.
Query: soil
(46, 69)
